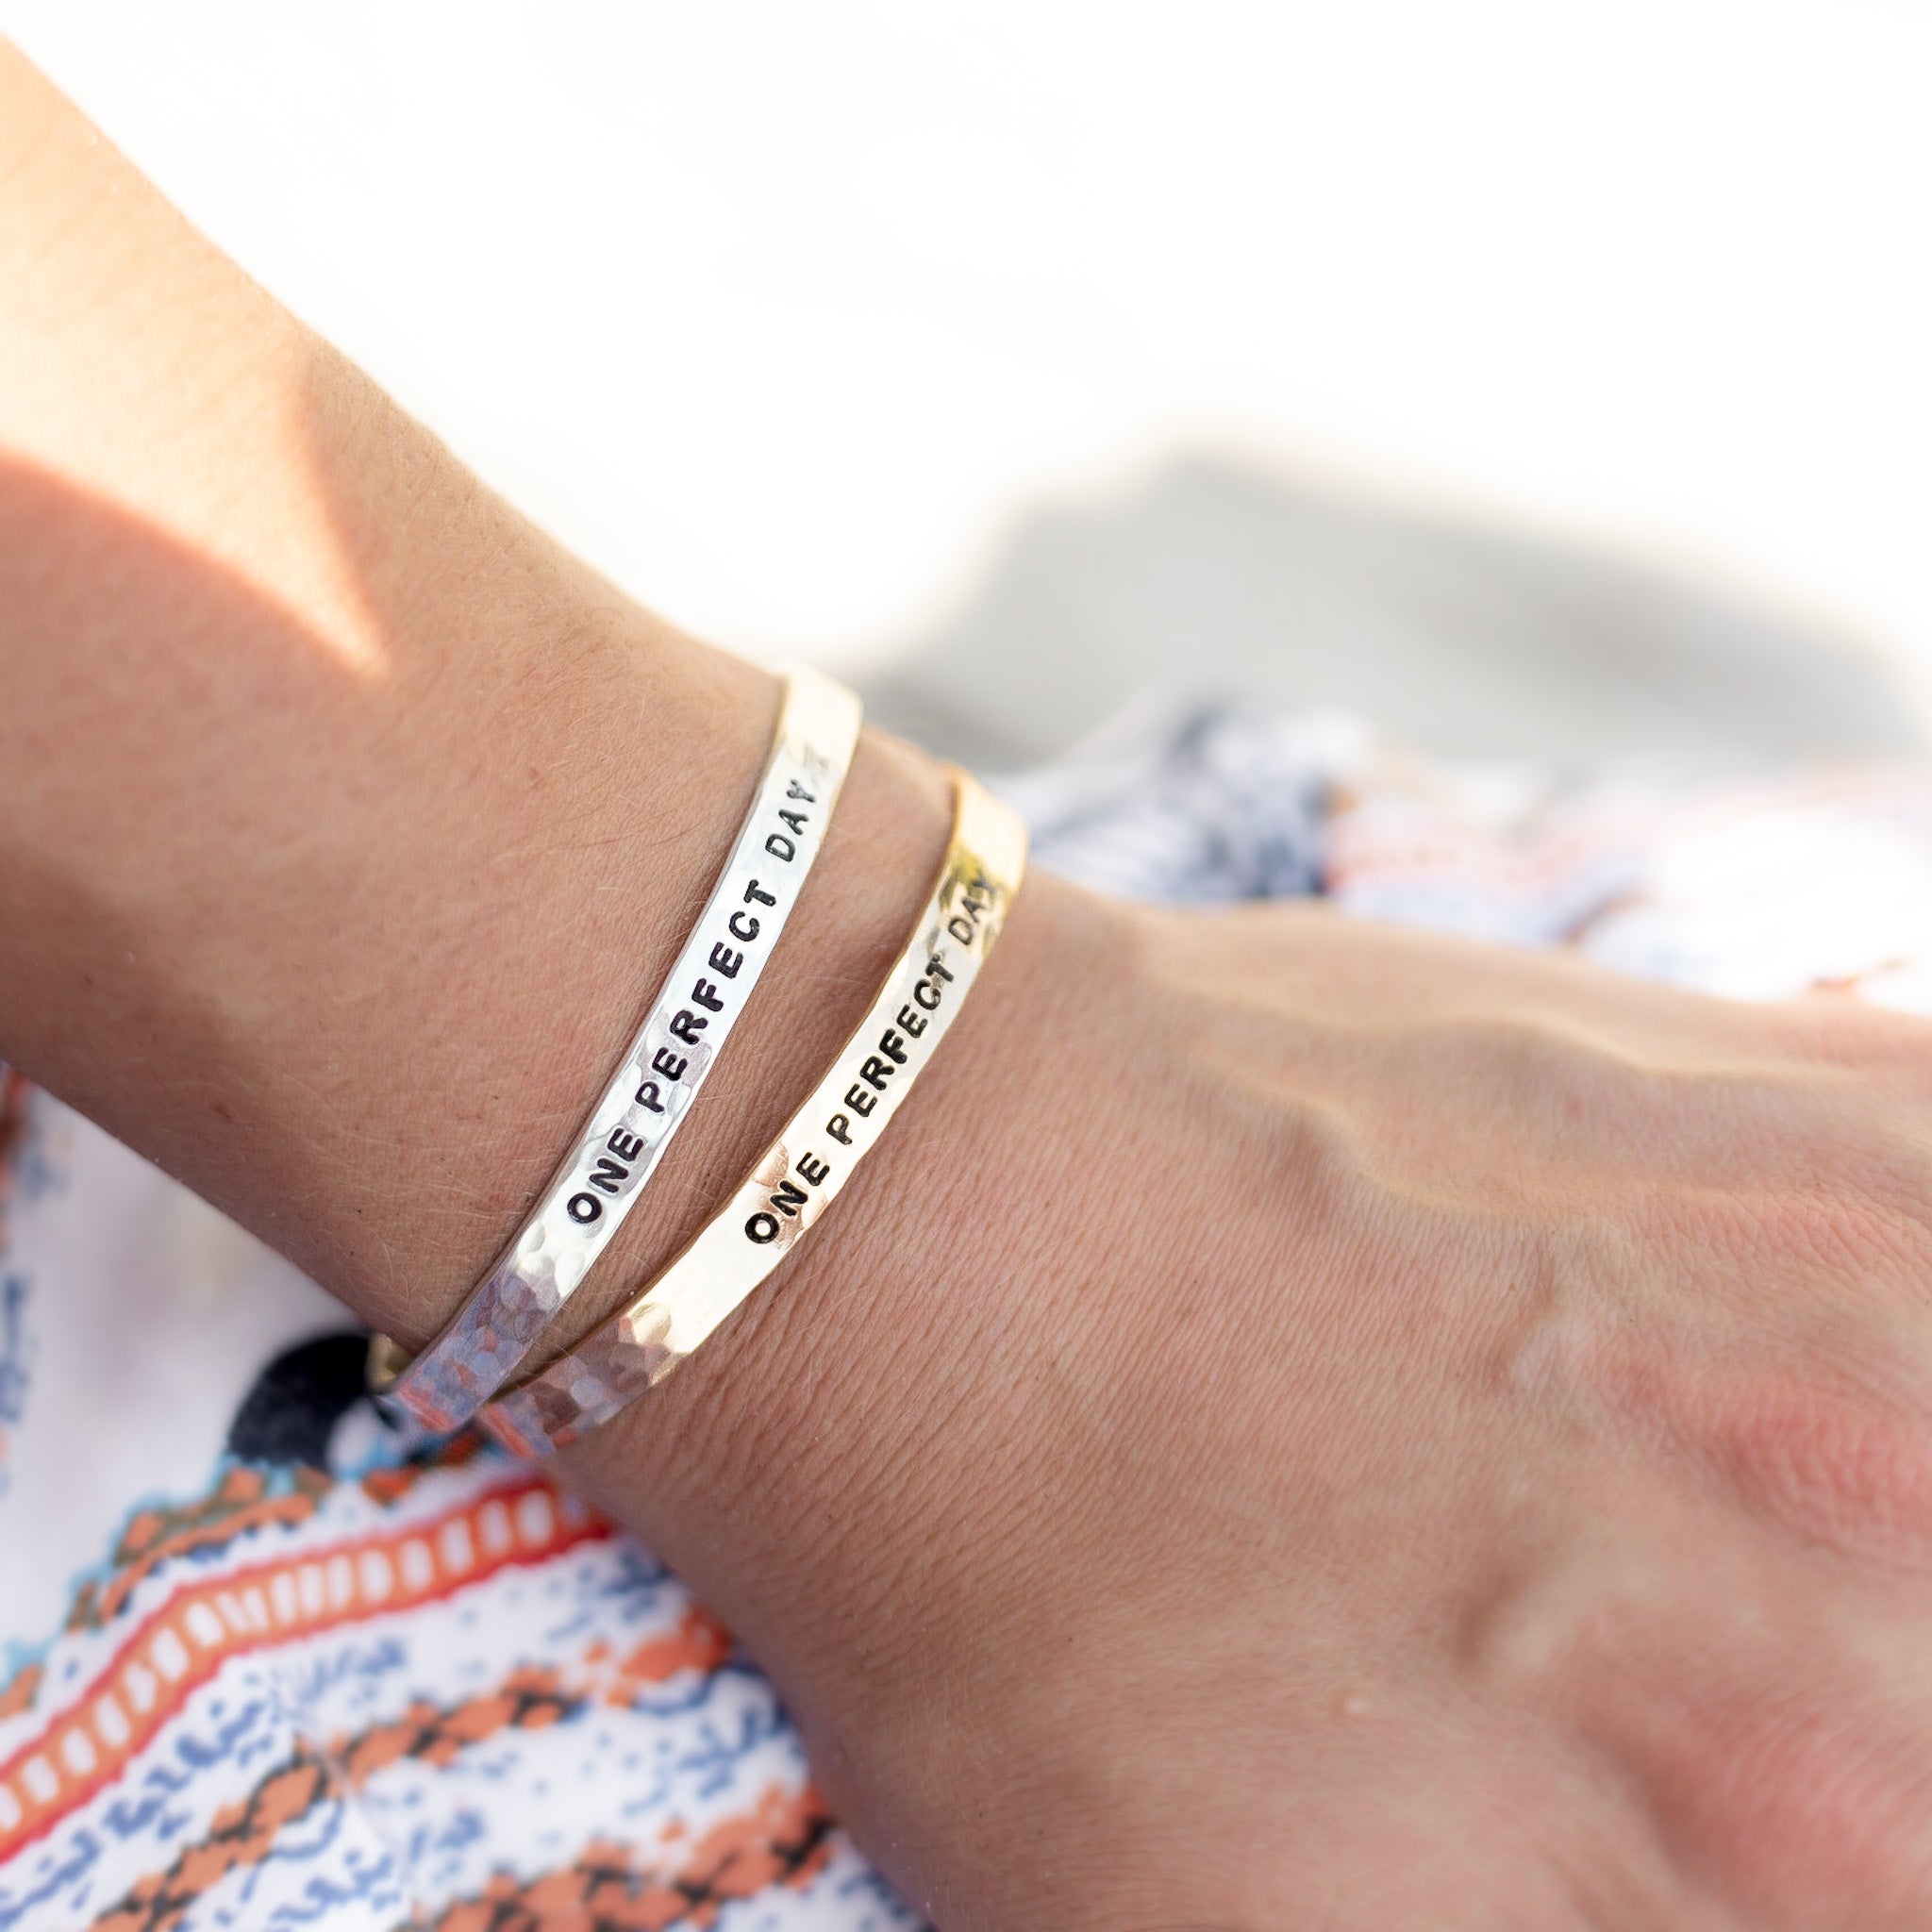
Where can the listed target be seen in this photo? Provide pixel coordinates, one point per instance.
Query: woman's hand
(1304, 1424)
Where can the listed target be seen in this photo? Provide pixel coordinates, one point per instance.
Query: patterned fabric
(264, 1665)
(1760, 889)
(263, 1671)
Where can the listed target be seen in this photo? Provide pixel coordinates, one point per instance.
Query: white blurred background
(1546, 376)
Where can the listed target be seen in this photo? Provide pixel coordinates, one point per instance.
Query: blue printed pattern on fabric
(428, 1694)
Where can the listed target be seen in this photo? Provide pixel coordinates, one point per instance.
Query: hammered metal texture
(801, 1173)
(601, 1177)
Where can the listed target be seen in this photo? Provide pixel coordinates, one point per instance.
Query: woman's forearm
(347, 825)
(345, 821)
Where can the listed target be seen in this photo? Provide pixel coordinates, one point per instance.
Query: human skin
(1297, 1425)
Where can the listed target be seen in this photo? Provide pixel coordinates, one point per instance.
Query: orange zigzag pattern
(782, 1841)
(186, 1639)
(528, 1699)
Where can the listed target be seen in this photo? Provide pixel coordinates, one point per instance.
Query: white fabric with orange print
(256, 1688)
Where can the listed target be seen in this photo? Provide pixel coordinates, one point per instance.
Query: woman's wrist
(851, 1449)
